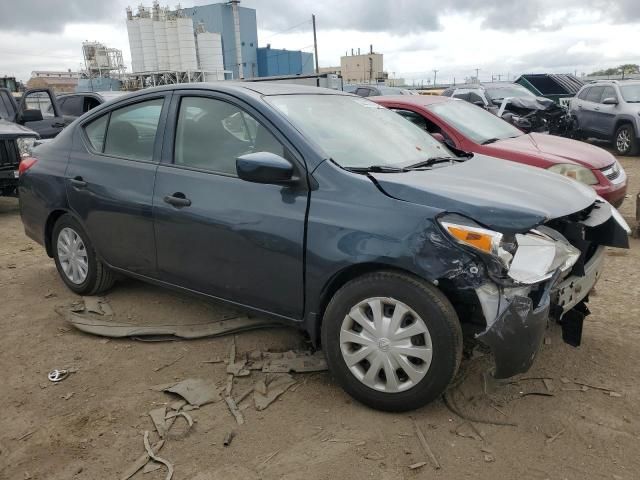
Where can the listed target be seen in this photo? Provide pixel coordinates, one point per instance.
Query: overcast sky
(505, 37)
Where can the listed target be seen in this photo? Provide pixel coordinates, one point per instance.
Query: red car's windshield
(474, 122)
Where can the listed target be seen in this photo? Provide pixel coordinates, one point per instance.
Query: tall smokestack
(236, 28)
(371, 49)
(358, 51)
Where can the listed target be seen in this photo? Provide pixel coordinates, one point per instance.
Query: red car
(467, 127)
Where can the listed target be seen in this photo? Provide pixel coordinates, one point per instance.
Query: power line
(288, 29)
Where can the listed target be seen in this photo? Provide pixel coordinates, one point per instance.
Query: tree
(626, 69)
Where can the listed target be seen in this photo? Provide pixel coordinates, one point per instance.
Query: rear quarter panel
(42, 188)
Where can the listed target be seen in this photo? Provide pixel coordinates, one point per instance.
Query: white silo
(187, 44)
(160, 37)
(173, 46)
(210, 55)
(148, 44)
(135, 45)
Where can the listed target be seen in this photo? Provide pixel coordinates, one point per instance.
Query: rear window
(95, 132)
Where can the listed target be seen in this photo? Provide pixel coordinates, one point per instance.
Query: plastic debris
(140, 462)
(153, 456)
(298, 362)
(228, 438)
(274, 389)
(195, 391)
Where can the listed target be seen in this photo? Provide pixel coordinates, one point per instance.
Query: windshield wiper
(490, 140)
(432, 161)
(376, 169)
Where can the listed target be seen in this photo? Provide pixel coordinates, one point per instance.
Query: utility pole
(477, 77)
(435, 75)
(315, 42)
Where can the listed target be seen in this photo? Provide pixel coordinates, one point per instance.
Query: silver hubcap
(72, 255)
(385, 344)
(623, 141)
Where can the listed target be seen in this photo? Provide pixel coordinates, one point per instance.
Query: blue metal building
(275, 61)
(218, 17)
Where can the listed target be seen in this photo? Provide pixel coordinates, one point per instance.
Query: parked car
(326, 211)
(610, 110)
(74, 105)
(375, 90)
(16, 141)
(517, 105)
(471, 129)
(37, 110)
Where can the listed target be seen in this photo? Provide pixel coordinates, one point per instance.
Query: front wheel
(76, 259)
(625, 141)
(392, 341)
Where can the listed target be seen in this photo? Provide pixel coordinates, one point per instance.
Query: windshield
(498, 93)
(631, 93)
(474, 122)
(357, 133)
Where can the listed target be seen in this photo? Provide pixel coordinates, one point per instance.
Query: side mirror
(31, 115)
(264, 167)
(610, 101)
(438, 136)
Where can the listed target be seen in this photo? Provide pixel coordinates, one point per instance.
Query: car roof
(417, 100)
(261, 88)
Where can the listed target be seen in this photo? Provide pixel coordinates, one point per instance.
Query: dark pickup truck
(37, 109)
(15, 141)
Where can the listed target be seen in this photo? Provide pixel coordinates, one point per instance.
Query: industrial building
(104, 68)
(238, 30)
(167, 48)
(60, 81)
(363, 68)
(274, 61)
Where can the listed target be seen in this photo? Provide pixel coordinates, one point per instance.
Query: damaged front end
(536, 115)
(545, 273)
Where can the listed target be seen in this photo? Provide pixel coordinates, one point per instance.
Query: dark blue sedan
(327, 211)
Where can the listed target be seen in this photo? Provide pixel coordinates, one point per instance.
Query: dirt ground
(91, 425)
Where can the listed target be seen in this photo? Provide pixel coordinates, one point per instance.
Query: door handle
(58, 125)
(78, 182)
(178, 200)
(597, 108)
(579, 106)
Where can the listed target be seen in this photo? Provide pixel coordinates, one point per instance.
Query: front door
(110, 181)
(604, 118)
(52, 121)
(218, 234)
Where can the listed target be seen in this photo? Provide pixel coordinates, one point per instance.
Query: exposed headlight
(469, 233)
(528, 258)
(25, 146)
(577, 172)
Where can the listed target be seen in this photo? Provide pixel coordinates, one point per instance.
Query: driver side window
(211, 134)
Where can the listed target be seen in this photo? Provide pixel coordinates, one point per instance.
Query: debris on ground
(154, 457)
(415, 466)
(195, 391)
(554, 437)
(297, 362)
(374, 456)
(466, 430)
(141, 461)
(228, 438)
(237, 369)
(161, 367)
(58, 375)
(235, 411)
(425, 446)
(264, 394)
(98, 306)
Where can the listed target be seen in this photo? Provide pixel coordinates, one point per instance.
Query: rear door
(604, 116)
(218, 234)
(590, 103)
(110, 180)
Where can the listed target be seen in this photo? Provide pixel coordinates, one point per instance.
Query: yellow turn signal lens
(479, 240)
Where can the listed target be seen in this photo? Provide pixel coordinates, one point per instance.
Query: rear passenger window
(583, 94)
(595, 94)
(211, 134)
(132, 130)
(95, 132)
(363, 92)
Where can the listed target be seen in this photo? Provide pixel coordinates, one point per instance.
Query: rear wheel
(392, 342)
(76, 260)
(625, 141)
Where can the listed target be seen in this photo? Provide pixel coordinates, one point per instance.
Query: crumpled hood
(556, 149)
(13, 130)
(502, 195)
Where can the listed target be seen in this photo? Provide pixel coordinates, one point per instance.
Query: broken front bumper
(517, 318)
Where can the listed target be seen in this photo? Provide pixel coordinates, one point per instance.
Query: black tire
(625, 148)
(99, 278)
(425, 300)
